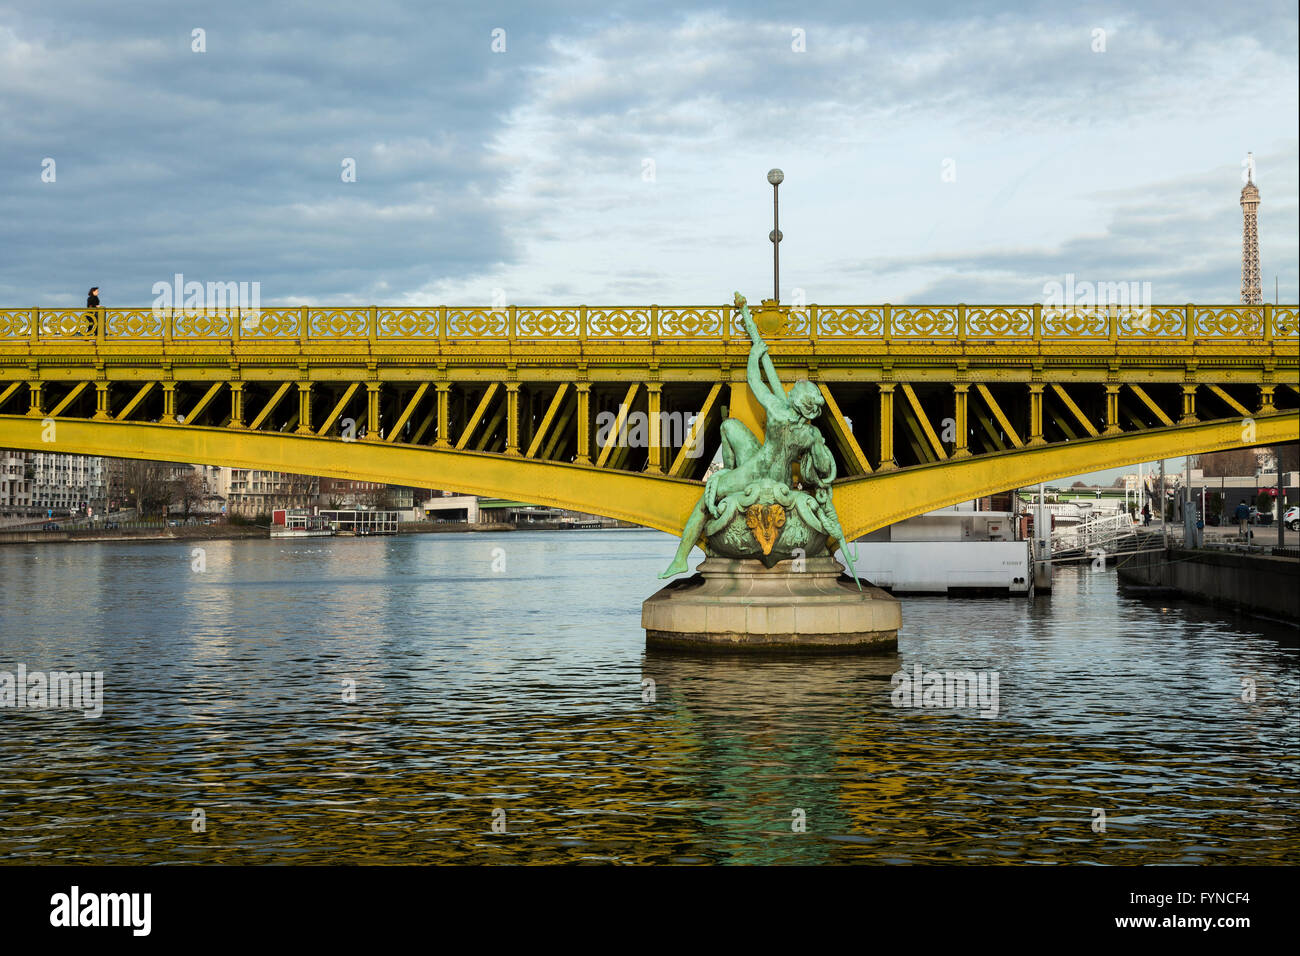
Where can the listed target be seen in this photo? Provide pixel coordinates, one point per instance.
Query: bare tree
(1234, 461)
(147, 485)
(187, 490)
(379, 499)
(299, 489)
(1288, 457)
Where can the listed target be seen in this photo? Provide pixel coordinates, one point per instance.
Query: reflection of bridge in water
(925, 405)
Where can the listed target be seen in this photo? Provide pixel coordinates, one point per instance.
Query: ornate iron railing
(812, 323)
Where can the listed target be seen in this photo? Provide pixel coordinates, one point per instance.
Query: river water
(402, 700)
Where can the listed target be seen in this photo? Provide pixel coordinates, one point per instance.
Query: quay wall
(1259, 584)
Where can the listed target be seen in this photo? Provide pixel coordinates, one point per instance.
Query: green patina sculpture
(752, 508)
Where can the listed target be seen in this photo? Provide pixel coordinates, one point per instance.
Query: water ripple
(484, 698)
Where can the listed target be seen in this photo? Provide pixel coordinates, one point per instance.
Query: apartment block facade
(254, 492)
(33, 483)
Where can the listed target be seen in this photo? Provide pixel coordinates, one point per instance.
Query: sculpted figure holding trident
(759, 476)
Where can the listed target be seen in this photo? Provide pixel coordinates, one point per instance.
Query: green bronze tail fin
(848, 559)
(833, 519)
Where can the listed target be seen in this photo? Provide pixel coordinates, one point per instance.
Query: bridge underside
(864, 502)
(618, 411)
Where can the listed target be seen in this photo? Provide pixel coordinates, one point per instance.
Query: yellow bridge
(615, 411)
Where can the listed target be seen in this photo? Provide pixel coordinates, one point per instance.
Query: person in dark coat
(92, 302)
(1146, 514)
(1242, 514)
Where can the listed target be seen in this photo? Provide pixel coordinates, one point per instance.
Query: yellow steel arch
(874, 501)
(655, 501)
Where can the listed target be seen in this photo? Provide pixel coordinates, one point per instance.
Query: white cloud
(525, 171)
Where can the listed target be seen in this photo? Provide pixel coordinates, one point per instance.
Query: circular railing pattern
(833, 322)
(477, 323)
(678, 323)
(547, 323)
(999, 321)
(618, 323)
(15, 323)
(1286, 321)
(200, 325)
(1075, 323)
(1246, 322)
(924, 322)
(338, 323)
(407, 323)
(65, 323)
(269, 324)
(851, 321)
(1153, 322)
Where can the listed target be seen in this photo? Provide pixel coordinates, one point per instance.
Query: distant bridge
(925, 405)
(1106, 537)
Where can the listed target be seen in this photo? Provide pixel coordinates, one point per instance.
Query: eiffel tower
(1251, 291)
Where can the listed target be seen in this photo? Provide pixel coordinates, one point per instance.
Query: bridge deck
(616, 410)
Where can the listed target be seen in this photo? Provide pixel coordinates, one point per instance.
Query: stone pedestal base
(741, 606)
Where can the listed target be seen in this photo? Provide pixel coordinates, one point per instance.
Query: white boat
(950, 551)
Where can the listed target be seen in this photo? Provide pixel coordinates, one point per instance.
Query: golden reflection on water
(478, 694)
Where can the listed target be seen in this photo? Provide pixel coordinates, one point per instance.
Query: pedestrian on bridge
(92, 302)
(1242, 514)
(1146, 514)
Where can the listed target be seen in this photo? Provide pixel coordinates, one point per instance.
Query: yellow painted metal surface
(203, 402)
(843, 437)
(926, 428)
(68, 399)
(1155, 409)
(744, 407)
(332, 417)
(477, 416)
(503, 402)
(145, 389)
(864, 503)
(410, 410)
(1082, 419)
(654, 502)
(270, 406)
(674, 325)
(695, 437)
(557, 401)
(1229, 400)
(1000, 415)
(620, 421)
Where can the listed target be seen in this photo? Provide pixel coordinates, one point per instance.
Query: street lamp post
(1164, 501)
(775, 177)
(1252, 502)
(1279, 498)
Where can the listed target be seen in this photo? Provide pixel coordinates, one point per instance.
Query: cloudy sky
(614, 153)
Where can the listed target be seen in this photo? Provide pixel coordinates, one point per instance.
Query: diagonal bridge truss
(616, 410)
